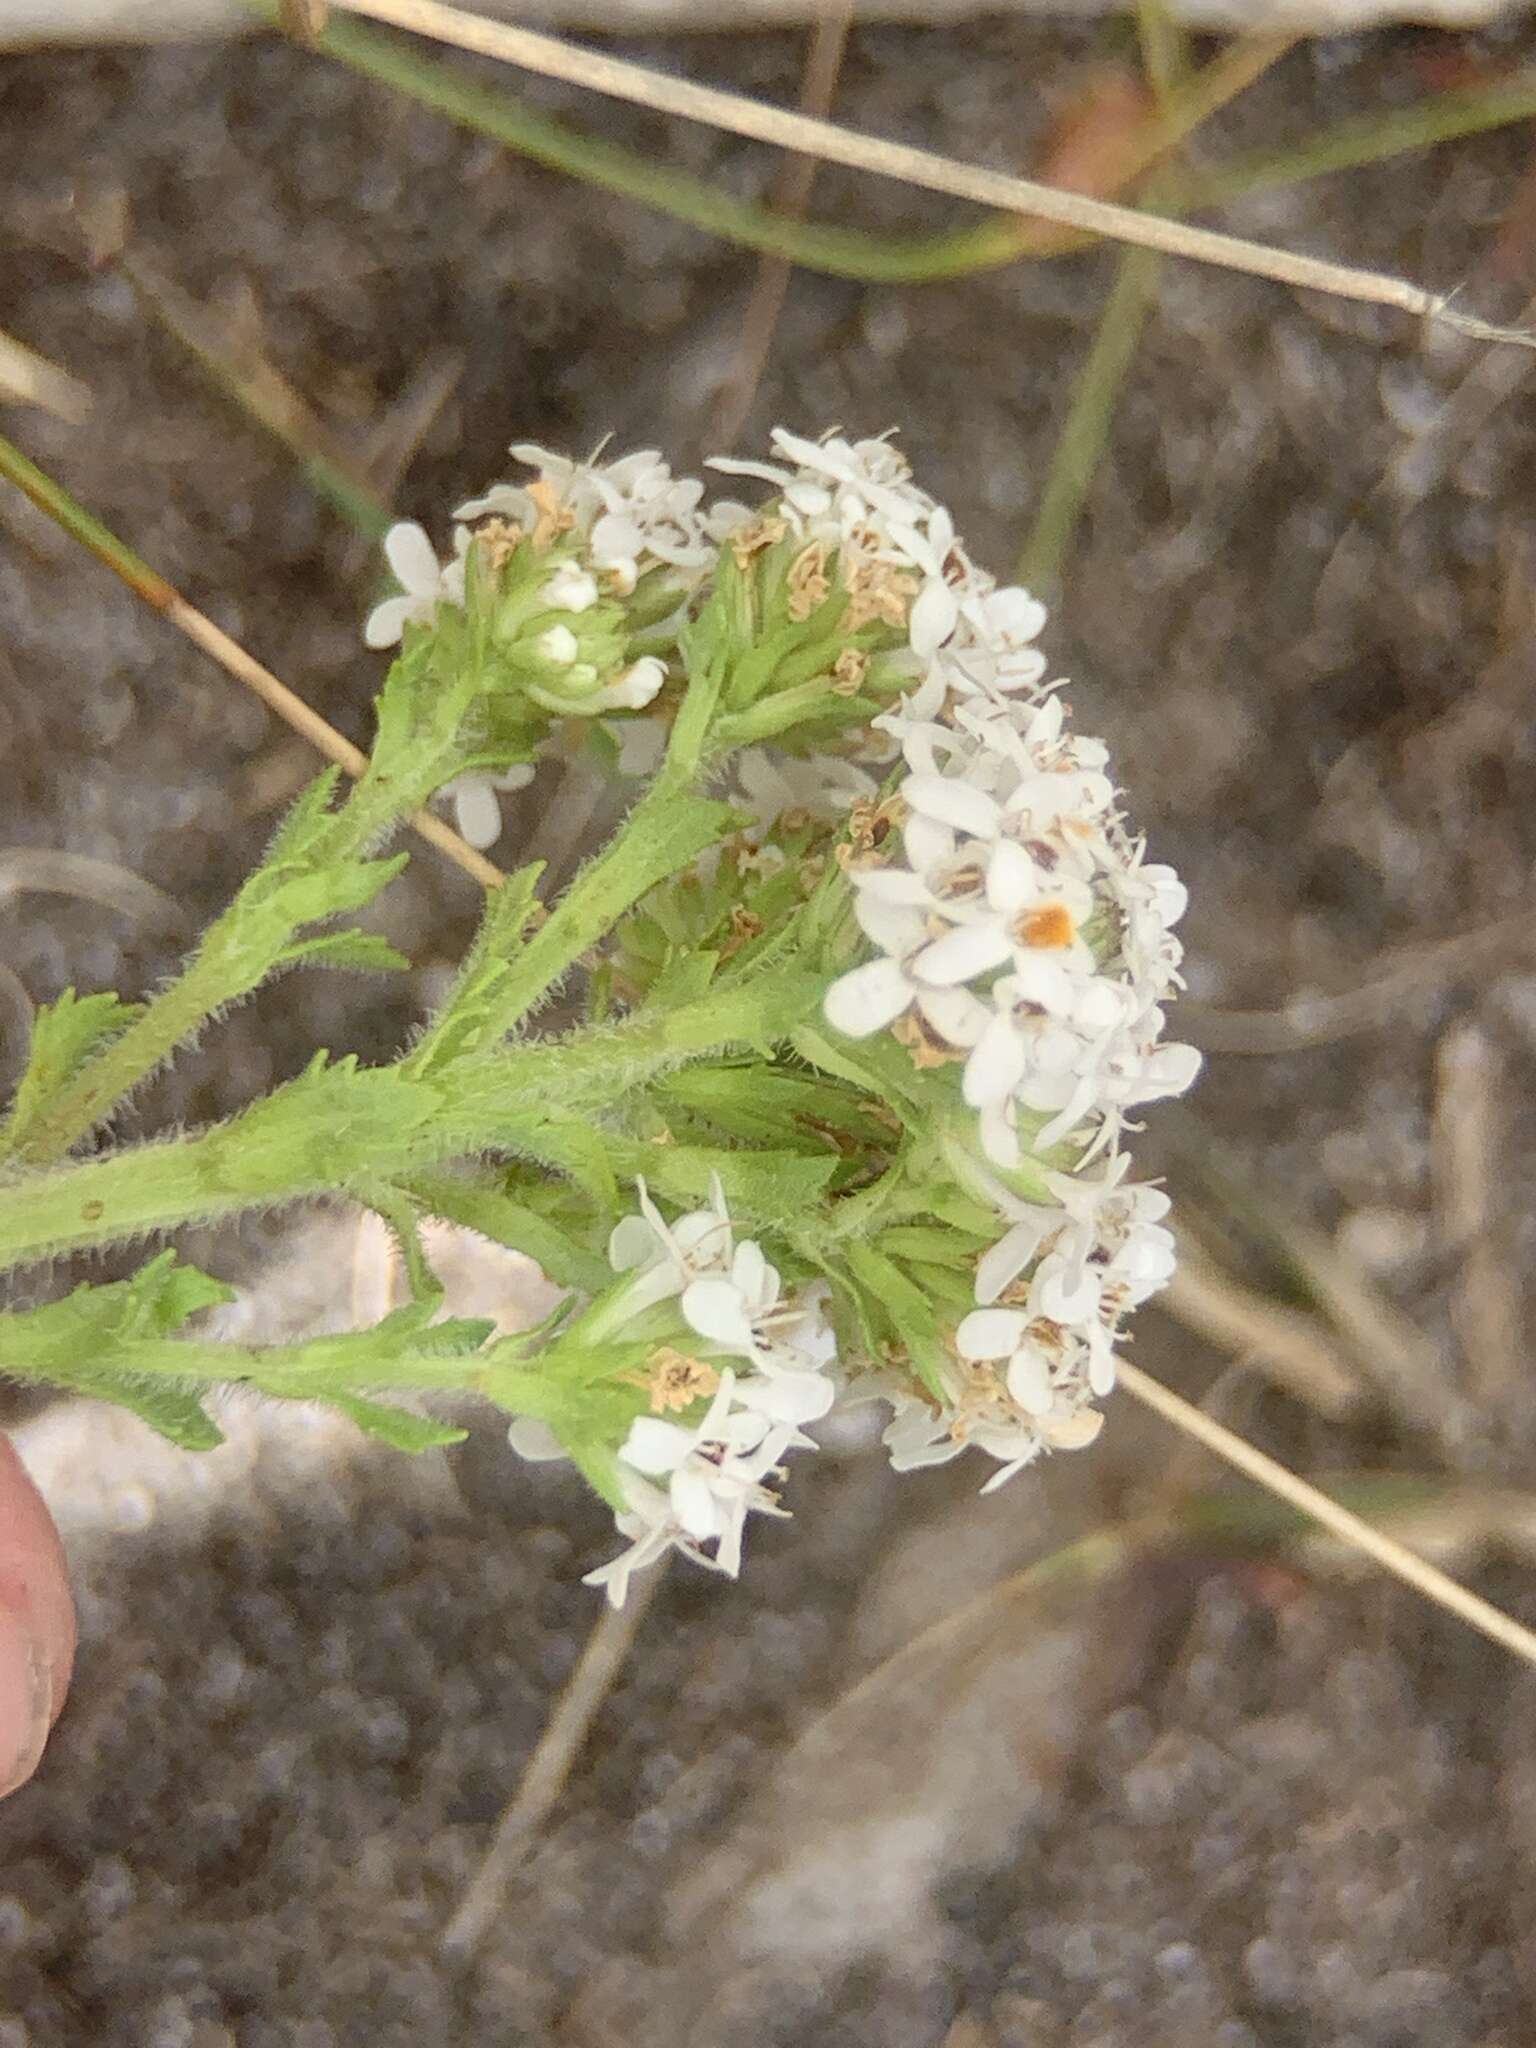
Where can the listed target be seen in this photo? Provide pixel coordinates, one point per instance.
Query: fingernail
(26, 1700)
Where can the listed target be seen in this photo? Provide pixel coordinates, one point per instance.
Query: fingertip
(34, 1579)
(26, 1699)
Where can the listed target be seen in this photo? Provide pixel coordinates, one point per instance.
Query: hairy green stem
(342, 1130)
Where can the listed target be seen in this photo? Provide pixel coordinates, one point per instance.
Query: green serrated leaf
(65, 1034)
(357, 952)
(923, 1241)
(163, 1294)
(767, 1185)
(179, 1417)
(330, 1122)
(486, 1207)
(581, 1151)
(911, 1316)
(306, 818)
(397, 1427)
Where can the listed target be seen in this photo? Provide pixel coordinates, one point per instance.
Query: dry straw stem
(1393, 1556)
(763, 123)
(548, 1768)
(1287, 1345)
(30, 379)
(1311, 1018)
(791, 195)
(148, 584)
(1468, 1143)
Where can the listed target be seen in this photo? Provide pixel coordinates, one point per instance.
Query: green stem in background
(1369, 139)
(1084, 435)
(258, 390)
(62, 509)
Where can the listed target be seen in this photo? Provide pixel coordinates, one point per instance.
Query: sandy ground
(1200, 1800)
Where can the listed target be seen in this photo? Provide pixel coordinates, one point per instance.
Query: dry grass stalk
(776, 125)
(1290, 1347)
(232, 657)
(791, 195)
(1312, 1019)
(597, 1671)
(1468, 1136)
(26, 378)
(1436, 1585)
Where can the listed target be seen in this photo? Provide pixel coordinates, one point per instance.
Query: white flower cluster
(628, 516)
(1019, 930)
(1017, 933)
(760, 1356)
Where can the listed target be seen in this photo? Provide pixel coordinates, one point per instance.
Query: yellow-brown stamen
(751, 540)
(675, 1381)
(849, 671)
(498, 540)
(745, 926)
(927, 1048)
(808, 584)
(555, 516)
(870, 826)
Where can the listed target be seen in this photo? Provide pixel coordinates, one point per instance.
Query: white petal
(954, 1013)
(933, 617)
(893, 927)
(1101, 1363)
(994, 1069)
(1036, 979)
(867, 999)
(928, 844)
(1073, 1432)
(1012, 877)
(386, 622)
(999, 1139)
(695, 1504)
(1064, 1295)
(653, 1446)
(631, 1242)
(476, 810)
(757, 1281)
(789, 1396)
(1029, 1381)
(972, 949)
(413, 558)
(953, 802)
(990, 1333)
(714, 1308)
(891, 885)
(535, 1440)
(999, 1267)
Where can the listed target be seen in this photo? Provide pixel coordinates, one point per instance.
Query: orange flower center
(1047, 928)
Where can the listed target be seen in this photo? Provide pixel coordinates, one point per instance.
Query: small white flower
(868, 998)
(714, 1478)
(744, 1314)
(424, 583)
(665, 1258)
(501, 501)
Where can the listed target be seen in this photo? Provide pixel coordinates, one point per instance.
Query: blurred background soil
(1199, 1798)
